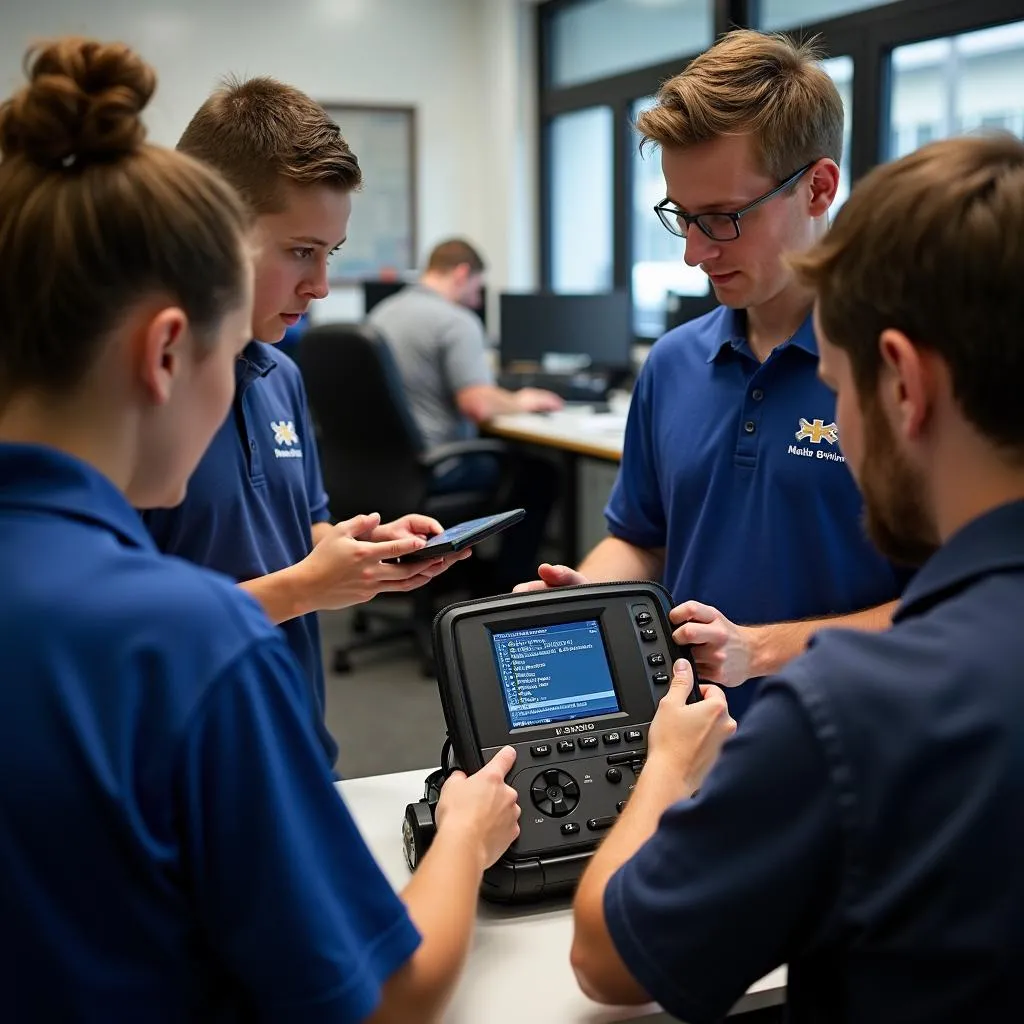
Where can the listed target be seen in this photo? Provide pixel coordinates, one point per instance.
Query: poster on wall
(382, 231)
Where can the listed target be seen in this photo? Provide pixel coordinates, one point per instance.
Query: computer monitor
(681, 308)
(378, 291)
(539, 324)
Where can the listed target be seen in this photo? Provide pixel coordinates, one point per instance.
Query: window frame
(867, 36)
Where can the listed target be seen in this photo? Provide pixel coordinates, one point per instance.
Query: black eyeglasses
(719, 227)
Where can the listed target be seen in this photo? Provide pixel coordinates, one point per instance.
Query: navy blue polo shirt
(734, 468)
(254, 496)
(172, 847)
(865, 825)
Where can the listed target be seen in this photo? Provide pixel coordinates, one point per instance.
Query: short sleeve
(635, 512)
(289, 897)
(315, 493)
(739, 879)
(464, 353)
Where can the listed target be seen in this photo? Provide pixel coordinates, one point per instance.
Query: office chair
(374, 459)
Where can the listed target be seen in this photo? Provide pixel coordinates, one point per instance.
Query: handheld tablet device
(464, 535)
(570, 678)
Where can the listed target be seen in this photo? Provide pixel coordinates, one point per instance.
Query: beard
(896, 513)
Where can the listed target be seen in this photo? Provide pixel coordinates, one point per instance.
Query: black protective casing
(543, 861)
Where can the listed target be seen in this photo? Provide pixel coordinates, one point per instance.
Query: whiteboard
(382, 230)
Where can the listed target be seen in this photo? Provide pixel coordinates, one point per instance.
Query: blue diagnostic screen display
(554, 673)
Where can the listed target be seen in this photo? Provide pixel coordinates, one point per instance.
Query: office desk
(598, 435)
(518, 969)
(574, 434)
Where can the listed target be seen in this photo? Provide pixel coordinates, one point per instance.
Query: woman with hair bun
(171, 844)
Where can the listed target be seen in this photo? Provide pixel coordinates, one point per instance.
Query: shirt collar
(993, 542)
(728, 331)
(256, 360)
(39, 478)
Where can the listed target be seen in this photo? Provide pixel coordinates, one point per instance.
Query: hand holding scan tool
(683, 741)
(570, 679)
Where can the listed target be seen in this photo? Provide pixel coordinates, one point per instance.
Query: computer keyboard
(584, 388)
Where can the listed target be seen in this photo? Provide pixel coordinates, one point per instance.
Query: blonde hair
(768, 86)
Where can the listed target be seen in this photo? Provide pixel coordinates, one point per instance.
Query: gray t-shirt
(440, 348)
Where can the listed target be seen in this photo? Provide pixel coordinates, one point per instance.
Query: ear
(161, 343)
(907, 384)
(461, 274)
(823, 178)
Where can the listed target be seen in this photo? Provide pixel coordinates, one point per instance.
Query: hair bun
(81, 105)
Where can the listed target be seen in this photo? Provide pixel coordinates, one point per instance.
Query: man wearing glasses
(733, 488)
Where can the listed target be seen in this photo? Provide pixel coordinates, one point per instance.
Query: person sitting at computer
(441, 351)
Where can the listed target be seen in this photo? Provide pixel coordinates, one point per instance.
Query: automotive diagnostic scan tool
(570, 678)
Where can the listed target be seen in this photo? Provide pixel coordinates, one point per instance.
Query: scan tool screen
(554, 673)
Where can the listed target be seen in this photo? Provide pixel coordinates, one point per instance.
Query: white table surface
(518, 969)
(580, 429)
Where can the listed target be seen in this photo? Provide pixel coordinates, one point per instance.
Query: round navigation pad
(554, 793)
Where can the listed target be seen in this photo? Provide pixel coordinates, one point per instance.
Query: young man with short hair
(732, 489)
(256, 508)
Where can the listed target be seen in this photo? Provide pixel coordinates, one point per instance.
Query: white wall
(467, 65)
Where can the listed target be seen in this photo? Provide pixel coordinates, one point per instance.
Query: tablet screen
(554, 673)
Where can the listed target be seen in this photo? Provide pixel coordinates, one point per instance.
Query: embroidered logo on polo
(815, 432)
(285, 434)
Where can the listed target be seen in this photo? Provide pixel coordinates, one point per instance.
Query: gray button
(757, 394)
(750, 426)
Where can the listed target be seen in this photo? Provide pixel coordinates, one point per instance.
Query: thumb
(556, 575)
(682, 677)
(501, 763)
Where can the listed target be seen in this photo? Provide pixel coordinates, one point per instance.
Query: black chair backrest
(369, 443)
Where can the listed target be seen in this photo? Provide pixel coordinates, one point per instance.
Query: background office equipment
(589, 335)
(681, 308)
(375, 292)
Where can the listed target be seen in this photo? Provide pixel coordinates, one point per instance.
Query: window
(840, 70)
(781, 14)
(956, 85)
(581, 201)
(604, 37)
(658, 267)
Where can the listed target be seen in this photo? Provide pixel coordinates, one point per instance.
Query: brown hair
(92, 218)
(751, 83)
(933, 245)
(262, 134)
(452, 253)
